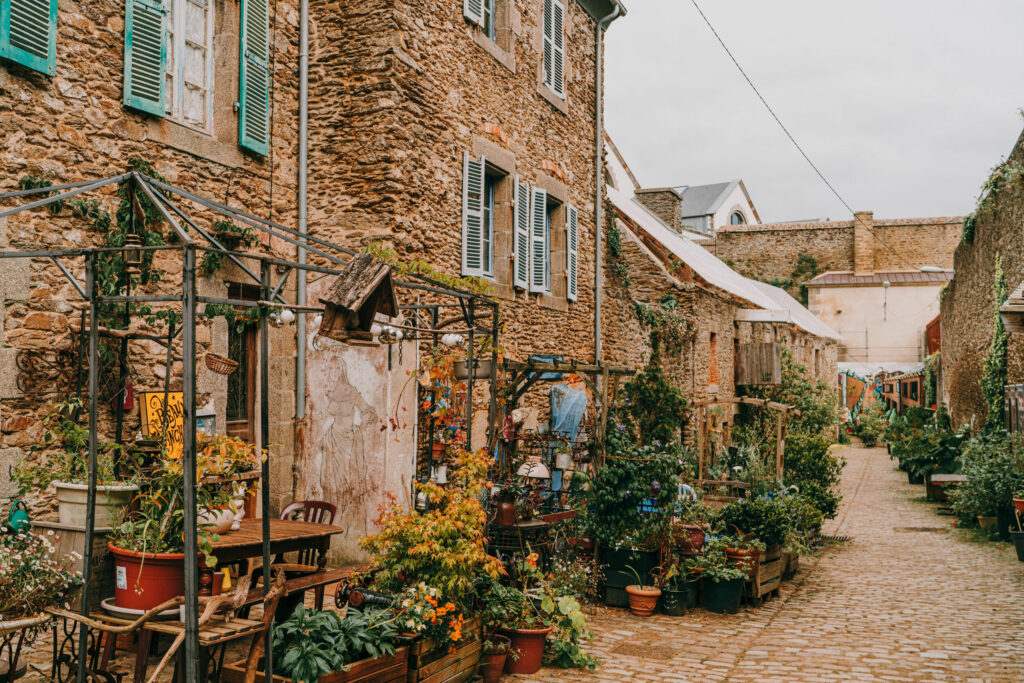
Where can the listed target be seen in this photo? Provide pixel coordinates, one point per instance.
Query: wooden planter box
(388, 669)
(767, 578)
(791, 564)
(72, 539)
(429, 663)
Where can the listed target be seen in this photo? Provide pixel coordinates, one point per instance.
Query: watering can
(17, 518)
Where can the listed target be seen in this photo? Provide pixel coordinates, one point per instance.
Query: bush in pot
(764, 518)
(61, 460)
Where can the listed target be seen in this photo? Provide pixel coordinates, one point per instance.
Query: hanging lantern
(132, 254)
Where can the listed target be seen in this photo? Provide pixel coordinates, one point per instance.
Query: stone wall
(420, 87)
(968, 304)
(74, 127)
(770, 251)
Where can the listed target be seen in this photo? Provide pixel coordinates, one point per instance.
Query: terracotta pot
(528, 643)
(745, 560)
(494, 660)
(693, 541)
(643, 599)
(506, 514)
(986, 521)
(144, 580)
(1018, 505)
(438, 449)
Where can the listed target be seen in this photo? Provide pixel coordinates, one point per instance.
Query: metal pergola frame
(159, 194)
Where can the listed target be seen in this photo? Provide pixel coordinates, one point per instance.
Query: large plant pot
(915, 478)
(1018, 505)
(744, 559)
(692, 592)
(723, 596)
(493, 662)
(1018, 544)
(673, 601)
(505, 513)
(144, 580)
(1004, 520)
(986, 521)
(528, 643)
(693, 541)
(641, 560)
(111, 502)
(643, 599)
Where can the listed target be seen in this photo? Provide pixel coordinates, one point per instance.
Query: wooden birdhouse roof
(361, 279)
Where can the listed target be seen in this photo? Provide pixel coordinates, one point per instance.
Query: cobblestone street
(906, 599)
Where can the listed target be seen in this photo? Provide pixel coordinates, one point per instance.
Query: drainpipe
(598, 170)
(300, 285)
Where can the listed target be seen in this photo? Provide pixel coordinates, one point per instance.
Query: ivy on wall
(993, 378)
(1007, 175)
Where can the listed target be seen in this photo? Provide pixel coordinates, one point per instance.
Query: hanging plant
(232, 237)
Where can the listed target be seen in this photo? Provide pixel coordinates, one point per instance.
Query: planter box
(430, 664)
(766, 579)
(111, 502)
(791, 563)
(389, 669)
(72, 539)
(641, 560)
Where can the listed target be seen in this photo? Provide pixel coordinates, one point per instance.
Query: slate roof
(908, 277)
(704, 200)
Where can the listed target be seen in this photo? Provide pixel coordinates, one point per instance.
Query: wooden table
(286, 536)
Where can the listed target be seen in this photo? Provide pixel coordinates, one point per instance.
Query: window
(28, 33)
(737, 218)
(713, 360)
(487, 241)
(188, 93)
(553, 27)
(913, 391)
(487, 20)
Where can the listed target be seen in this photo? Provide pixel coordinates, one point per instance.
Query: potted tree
(63, 463)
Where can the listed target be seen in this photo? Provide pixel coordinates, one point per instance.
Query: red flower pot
(528, 643)
(746, 560)
(494, 660)
(693, 541)
(144, 580)
(1018, 505)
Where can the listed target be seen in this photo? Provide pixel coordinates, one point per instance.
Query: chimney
(664, 202)
(863, 243)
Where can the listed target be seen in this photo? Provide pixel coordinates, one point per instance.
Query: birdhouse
(362, 290)
(1012, 312)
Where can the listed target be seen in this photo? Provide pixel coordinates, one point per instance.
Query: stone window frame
(502, 46)
(558, 199)
(501, 165)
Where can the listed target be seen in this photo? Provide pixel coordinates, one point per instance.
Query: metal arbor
(160, 195)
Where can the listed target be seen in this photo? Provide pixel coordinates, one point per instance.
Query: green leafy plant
(993, 377)
(994, 465)
(312, 643)
(766, 518)
(226, 231)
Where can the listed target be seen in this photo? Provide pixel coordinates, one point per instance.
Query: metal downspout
(300, 286)
(599, 170)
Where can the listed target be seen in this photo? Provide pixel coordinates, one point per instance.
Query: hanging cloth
(567, 408)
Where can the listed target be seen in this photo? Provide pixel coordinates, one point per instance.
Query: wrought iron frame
(471, 307)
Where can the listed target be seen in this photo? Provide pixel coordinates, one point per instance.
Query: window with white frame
(188, 95)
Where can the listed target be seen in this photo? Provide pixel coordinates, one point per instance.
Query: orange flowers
(531, 559)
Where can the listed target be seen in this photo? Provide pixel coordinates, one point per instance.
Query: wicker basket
(222, 365)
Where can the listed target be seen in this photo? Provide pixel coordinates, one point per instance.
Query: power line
(788, 134)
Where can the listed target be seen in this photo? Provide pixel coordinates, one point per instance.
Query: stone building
(711, 310)
(702, 209)
(876, 282)
(968, 303)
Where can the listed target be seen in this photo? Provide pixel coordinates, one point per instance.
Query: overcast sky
(904, 105)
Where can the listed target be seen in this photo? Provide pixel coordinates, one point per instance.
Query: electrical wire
(790, 135)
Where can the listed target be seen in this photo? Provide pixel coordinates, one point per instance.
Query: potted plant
(322, 646)
(233, 236)
(744, 553)
(31, 580)
(674, 591)
(723, 587)
(148, 547)
(643, 597)
(496, 651)
(65, 447)
(764, 518)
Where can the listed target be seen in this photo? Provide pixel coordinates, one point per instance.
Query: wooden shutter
(28, 33)
(558, 56)
(472, 215)
(547, 21)
(572, 251)
(521, 267)
(145, 56)
(474, 11)
(254, 77)
(538, 241)
(758, 364)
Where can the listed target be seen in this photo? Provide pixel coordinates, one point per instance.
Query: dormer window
(737, 218)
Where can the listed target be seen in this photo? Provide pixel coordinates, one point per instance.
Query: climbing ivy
(806, 269)
(246, 236)
(669, 331)
(473, 285)
(1005, 175)
(993, 378)
(930, 379)
(618, 263)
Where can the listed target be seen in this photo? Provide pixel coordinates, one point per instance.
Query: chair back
(315, 511)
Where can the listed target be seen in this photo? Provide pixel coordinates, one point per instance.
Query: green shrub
(766, 518)
(994, 465)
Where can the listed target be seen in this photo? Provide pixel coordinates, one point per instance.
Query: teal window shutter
(254, 77)
(28, 33)
(145, 56)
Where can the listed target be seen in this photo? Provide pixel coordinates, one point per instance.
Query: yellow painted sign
(153, 418)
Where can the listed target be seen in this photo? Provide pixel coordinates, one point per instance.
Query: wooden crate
(791, 565)
(429, 663)
(767, 578)
(67, 539)
(389, 669)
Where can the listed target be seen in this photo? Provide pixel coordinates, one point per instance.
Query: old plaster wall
(354, 452)
(968, 304)
(74, 127)
(420, 87)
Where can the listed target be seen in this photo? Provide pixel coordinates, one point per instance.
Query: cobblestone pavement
(907, 599)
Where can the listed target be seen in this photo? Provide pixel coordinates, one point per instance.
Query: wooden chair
(307, 561)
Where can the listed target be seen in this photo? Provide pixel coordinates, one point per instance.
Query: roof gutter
(599, 29)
